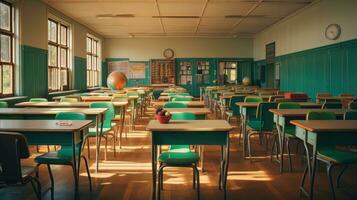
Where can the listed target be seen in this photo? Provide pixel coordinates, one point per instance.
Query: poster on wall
(131, 71)
(122, 66)
(137, 71)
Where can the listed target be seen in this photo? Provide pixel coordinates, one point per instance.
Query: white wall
(142, 49)
(306, 28)
(33, 26)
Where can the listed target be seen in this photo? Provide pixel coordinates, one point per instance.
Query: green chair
(234, 110)
(181, 99)
(156, 93)
(3, 104)
(251, 113)
(64, 156)
(332, 105)
(66, 99)
(108, 127)
(38, 100)
(180, 156)
(14, 148)
(350, 115)
(288, 134)
(263, 124)
(175, 105)
(352, 106)
(329, 154)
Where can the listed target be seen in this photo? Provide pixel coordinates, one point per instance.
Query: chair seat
(337, 156)
(93, 131)
(63, 156)
(290, 131)
(28, 171)
(255, 125)
(179, 157)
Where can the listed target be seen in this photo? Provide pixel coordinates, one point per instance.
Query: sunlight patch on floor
(249, 176)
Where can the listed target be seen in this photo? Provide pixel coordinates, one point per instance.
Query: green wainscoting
(331, 68)
(80, 74)
(33, 72)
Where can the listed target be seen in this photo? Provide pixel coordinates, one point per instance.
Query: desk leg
(244, 128)
(311, 168)
(153, 160)
(226, 164)
(221, 174)
(281, 144)
(75, 167)
(96, 144)
(122, 124)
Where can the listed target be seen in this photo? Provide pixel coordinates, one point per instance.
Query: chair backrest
(350, 115)
(3, 104)
(233, 106)
(183, 116)
(332, 105)
(183, 94)
(323, 95)
(352, 106)
(181, 99)
(265, 116)
(253, 99)
(346, 95)
(70, 116)
(175, 105)
(38, 100)
(13, 147)
(289, 105)
(66, 99)
(321, 115)
(171, 94)
(108, 115)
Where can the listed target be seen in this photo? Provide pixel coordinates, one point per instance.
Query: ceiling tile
(228, 8)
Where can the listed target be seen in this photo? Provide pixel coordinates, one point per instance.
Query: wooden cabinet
(162, 71)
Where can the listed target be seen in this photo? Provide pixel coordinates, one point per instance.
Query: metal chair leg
(272, 147)
(340, 175)
(289, 154)
(303, 179)
(329, 169)
(88, 173)
(37, 190)
(249, 147)
(198, 181)
(88, 147)
(52, 181)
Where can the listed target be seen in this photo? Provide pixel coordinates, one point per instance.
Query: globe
(116, 80)
(246, 81)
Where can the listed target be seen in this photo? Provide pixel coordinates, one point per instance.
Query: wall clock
(333, 31)
(169, 53)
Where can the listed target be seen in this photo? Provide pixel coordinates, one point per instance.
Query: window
(228, 72)
(7, 50)
(92, 62)
(58, 56)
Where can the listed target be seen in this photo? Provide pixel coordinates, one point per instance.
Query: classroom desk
(314, 131)
(191, 132)
(167, 98)
(337, 98)
(282, 117)
(196, 104)
(201, 113)
(48, 132)
(97, 113)
(248, 107)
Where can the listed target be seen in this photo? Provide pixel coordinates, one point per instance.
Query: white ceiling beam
(202, 13)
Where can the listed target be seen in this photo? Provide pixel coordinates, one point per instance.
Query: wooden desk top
(168, 97)
(188, 103)
(336, 98)
(64, 104)
(196, 111)
(190, 125)
(43, 125)
(303, 112)
(327, 125)
(302, 104)
(49, 111)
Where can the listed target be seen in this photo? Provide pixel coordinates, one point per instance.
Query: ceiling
(177, 18)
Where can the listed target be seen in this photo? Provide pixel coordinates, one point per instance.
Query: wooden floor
(128, 176)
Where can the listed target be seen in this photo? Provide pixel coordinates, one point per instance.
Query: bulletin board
(131, 70)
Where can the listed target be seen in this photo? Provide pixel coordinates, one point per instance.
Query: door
(203, 71)
(228, 72)
(184, 69)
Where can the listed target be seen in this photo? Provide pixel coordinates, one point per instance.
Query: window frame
(10, 33)
(59, 46)
(92, 71)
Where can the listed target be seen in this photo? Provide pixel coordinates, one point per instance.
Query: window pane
(52, 31)
(7, 79)
(94, 47)
(64, 35)
(94, 63)
(63, 57)
(88, 78)
(89, 62)
(5, 48)
(63, 77)
(5, 16)
(89, 45)
(52, 55)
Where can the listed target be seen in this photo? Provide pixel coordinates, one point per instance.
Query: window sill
(62, 92)
(14, 98)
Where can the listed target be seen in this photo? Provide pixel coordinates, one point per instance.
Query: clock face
(169, 53)
(333, 31)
